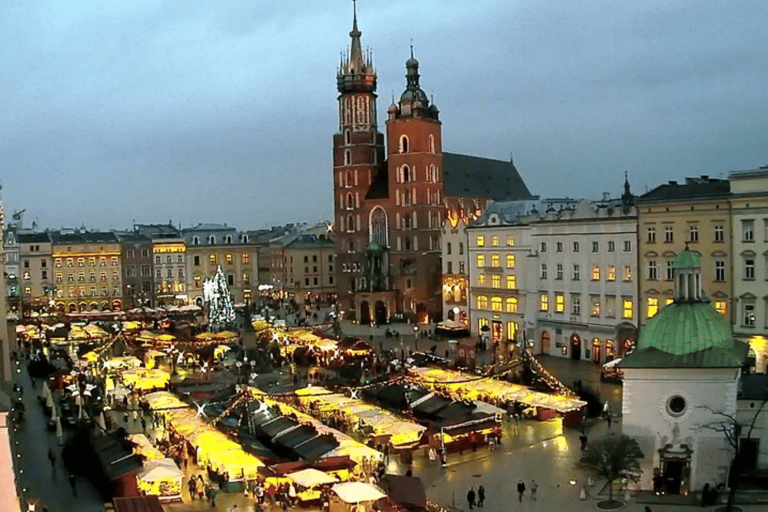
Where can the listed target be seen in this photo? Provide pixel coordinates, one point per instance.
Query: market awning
(311, 477)
(405, 491)
(277, 426)
(315, 448)
(296, 436)
(357, 492)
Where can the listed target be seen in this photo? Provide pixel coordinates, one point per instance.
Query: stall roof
(316, 447)
(277, 425)
(405, 491)
(138, 504)
(432, 404)
(356, 492)
(455, 410)
(116, 458)
(296, 436)
(334, 463)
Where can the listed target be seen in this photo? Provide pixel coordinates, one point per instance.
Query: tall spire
(356, 51)
(627, 198)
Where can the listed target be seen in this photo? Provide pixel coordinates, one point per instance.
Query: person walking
(609, 418)
(520, 490)
(73, 483)
(480, 496)
(584, 439)
(471, 498)
(534, 488)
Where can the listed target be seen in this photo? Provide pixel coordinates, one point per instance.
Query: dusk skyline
(224, 112)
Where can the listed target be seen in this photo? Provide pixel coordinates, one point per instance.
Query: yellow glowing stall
(161, 477)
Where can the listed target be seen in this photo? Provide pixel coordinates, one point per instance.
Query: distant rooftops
(695, 187)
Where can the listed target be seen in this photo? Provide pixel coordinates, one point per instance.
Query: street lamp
(415, 337)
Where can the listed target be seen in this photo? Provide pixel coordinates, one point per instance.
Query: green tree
(613, 457)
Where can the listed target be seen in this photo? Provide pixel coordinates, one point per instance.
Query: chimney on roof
(705, 177)
(673, 182)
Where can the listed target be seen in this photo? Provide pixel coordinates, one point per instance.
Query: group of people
(478, 498)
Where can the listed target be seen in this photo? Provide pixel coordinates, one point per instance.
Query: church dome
(689, 332)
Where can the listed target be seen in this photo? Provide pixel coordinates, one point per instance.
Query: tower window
(403, 144)
(347, 137)
(431, 144)
(348, 179)
(347, 157)
(405, 174)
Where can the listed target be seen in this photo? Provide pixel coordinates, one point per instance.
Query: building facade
(210, 246)
(310, 273)
(138, 280)
(38, 284)
(455, 261)
(169, 264)
(390, 200)
(87, 270)
(673, 216)
(749, 228)
(12, 270)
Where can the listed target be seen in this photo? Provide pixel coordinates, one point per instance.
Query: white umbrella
(46, 391)
(49, 401)
(101, 423)
(54, 413)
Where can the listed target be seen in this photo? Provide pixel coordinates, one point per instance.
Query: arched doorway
(365, 313)
(72, 307)
(380, 310)
(421, 313)
(596, 349)
(575, 346)
(626, 334)
(545, 342)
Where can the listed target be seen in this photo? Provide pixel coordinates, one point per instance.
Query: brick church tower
(358, 153)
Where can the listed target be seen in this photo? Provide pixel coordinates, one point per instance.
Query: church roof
(472, 176)
(687, 335)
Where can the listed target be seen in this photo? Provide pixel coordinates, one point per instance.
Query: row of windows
(70, 262)
(594, 305)
(511, 281)
(130, 253)
(228, 239)
(229, 259)
(407, 198)
(495, 260)
(576, 246)
(197, 281)
(406, 174)
(405, 144)
(508, 305)
(594, 275)
(653, 305)
(80, 291)
(748, 270)
(513, 328)
(480, 241)
(449, 267)
(59, 277)
(693, 234)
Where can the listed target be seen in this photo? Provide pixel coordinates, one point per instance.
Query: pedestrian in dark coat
(471, 498)
(520, 490)
(480, 496)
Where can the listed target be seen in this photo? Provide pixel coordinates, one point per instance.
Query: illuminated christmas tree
(221, 308)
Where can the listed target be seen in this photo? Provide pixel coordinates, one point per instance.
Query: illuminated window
(481, 279)
(611, 274)
(92, 261)
(480, 260)
(70, 262)
(510, 261)
(495, 241)
(511, 282)
(511, 303)
(246, 278)
(627, 308)
(495, 281)
(230, 258)
(80, 262)
(212, 259)
(627, 273)
(511, 331)
(27, 290)
(103, 276)
(721, 307)
(595, 272)
(480, 241)
(59, 277)
(198, 281)
(246, 258)
(482, 302)
(594, 305)
(511, 241)
(544, 302)
(57, 262)
(114, 261)
(668, 301)
(496, 304)
(653, 307)
(495, 260)
(482, 322)
(559, 302)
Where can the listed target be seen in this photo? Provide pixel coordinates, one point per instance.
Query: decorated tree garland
(221, 309)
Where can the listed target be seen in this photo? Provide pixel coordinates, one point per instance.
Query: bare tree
(613, 457)
(733, 430)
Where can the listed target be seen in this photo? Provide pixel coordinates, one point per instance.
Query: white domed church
(686, 366)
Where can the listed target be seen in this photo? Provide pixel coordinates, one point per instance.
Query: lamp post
(415, 337)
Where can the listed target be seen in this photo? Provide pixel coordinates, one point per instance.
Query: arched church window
(350, 201)
(348, 179)
(405, 174)
(403, 144)
(347, 137)
(347, 157)
(350, 223)
(431, 143)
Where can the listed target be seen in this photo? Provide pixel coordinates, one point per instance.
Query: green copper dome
(687, 335)
(687, 259)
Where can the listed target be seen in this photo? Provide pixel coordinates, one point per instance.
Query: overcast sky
(223, 111)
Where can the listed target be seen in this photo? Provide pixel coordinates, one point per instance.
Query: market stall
(145, 379)
(309, 484)
(162, 478)
(354, 497)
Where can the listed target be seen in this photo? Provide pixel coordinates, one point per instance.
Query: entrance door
(381, 313)
(575, 346)
(596, 350)
(673, 475)
(545, 342)
(365, 313)
(497, 331)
